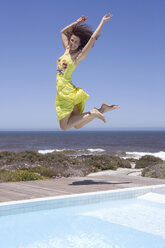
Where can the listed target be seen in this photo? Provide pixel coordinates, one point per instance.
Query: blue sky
(125, 66)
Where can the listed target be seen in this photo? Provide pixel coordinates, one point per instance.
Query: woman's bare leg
(104, 108)
(78, 126)
(77, 119)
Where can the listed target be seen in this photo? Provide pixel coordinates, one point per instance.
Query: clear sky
(126, 66)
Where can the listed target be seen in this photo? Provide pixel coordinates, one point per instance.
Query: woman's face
(74, 42)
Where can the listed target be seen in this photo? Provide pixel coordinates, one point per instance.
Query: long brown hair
(84, 32)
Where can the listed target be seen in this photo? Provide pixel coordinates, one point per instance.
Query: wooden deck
(75, 185)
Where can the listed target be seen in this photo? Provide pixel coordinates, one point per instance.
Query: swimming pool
(129, 218)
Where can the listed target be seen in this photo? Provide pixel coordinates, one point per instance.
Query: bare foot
(95, 112)
(105, 108)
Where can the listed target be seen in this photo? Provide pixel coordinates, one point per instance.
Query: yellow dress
(68, 95)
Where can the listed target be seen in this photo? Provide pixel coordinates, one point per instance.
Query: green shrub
(152, 173)
(146, 161)
(104, 162)
(155, 171)
(46, 172)
(145, 171)
(19, 175)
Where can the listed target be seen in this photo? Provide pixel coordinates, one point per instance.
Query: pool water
(127, 223)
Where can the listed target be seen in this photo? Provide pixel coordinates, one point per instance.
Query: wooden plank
(63, 186)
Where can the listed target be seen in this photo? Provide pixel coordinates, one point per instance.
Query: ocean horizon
(134, 143)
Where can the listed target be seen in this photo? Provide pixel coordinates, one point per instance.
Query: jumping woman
(70, 101)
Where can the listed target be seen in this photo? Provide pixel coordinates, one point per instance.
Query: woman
(70, 100)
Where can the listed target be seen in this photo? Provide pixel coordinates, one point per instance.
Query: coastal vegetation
(152, 166)
(147, 161)
(31, 165)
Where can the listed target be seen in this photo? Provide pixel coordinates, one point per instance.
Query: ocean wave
(90, 151)
(45, 151)
(138, 155)
(54, 150)
(96, 150)
(78, 152)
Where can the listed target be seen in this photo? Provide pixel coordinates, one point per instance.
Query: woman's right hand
(82, 19)
(106, 18)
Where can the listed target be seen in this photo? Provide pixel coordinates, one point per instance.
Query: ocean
(133, 144)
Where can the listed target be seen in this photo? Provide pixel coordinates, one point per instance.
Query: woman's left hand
(82, 19)
(105, 18)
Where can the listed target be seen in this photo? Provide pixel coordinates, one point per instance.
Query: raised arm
(69, 28)
(94, 36)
